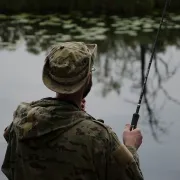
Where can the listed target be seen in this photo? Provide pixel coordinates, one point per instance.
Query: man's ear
(89, 77)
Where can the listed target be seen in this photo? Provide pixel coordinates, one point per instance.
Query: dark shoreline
(110, 7)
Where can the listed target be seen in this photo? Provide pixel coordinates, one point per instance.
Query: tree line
(123, 7)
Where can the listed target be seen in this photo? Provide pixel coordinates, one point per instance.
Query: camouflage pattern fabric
(68, 65)
(54, 140)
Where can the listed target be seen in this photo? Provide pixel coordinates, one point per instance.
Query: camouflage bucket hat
(67, 66)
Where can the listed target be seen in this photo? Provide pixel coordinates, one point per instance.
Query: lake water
(124, 52)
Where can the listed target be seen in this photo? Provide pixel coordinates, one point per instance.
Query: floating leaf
(177, 26)
(125, 28)
(11, 47)
(5, 43)
(46, 36)
(114, 17)
(101, 24)
(79, 37)
(148, 30)
(2, 16)
(41, 32)
(131, 33)
(136, 28)
(68, 26)
(20, 16)
(84, 19)
(119, 32)
(29, 36)
(49, 23)
(176, 18)
(69, 21)
(28, 27)
(22, 21)
(115, 25)
(98, 30)
(100, 37)
(64, 38)
(147, 26)
(11, 28)
(136, 23)
(55, 19)
(92, 20)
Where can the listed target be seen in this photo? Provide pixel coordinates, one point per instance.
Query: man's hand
(132, 138)
(83, 103)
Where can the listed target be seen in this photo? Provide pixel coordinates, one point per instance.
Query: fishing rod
(135, 117)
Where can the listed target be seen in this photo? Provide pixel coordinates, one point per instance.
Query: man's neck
(74, 99)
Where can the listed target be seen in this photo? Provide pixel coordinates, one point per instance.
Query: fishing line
(135, 117)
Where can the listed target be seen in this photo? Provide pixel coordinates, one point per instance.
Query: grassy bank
(124, 7)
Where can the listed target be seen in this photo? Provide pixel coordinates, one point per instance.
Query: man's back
(52, 139)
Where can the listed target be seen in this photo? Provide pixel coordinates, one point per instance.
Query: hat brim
(64, 89)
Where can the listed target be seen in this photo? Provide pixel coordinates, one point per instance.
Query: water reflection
(151, 92)
(124, 48)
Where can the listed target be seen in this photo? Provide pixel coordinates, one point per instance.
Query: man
(54, 139)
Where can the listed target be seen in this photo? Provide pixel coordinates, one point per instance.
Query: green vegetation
(41, 31)
(124, 7)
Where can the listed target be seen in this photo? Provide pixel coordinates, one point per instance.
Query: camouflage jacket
(54, 140)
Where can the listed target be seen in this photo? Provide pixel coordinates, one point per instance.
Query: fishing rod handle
(134, 121)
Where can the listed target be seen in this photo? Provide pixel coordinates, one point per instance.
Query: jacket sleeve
(7, 131)
(122, 162)
(9, 159)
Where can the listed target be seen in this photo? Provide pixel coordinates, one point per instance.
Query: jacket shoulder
(95, 128)
(22, 109)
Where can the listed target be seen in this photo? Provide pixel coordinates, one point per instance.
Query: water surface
(124, 50)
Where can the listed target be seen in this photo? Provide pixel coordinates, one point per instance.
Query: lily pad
(98, 30)
(20, 16)
(156, 25)
(147, 30)
(136, 23)
(119, 32)
(100, 37)
(30, 36)
(64, 38)
(55, 19)
(101, 24)
(89, 38)
(136, 28)
(69, 21)
(11, 48)
(84, 19)
(125, 28)
(176, 18)
(92, 21)
(79, 37)
(177, 26)
(28, 27)
(46, 36)
(2, 17)
(131, 33)
(11, 28)
(114, 17)
(41, 32)
(22, 21)
(147, 26)
(68, 26)
(5, 43)
(49, 23)
(115, 25)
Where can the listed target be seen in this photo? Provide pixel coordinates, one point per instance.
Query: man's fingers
(83, 101)
(127, 126)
